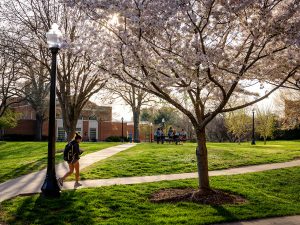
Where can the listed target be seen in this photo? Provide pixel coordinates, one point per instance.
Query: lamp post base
(50, 187)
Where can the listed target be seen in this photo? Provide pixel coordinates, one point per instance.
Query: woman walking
(73, 161)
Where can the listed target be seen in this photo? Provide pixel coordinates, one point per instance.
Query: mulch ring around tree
(208, 197)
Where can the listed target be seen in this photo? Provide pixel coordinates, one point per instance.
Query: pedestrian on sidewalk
(175, 137)
(182, 136)
(157, 135)
(162, 135)
(73, 162)
(170, 134)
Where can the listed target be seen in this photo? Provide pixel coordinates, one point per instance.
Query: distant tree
(25, 22)
(172, 116)
(135, 98)
(169, 114)
(8, 120)
(238, 123)
(36, 91)
(9, 76)
(146, 115)
(265, 123)
(34, 85)
(217, 131)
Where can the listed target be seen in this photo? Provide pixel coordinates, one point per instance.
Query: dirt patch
(209, 197)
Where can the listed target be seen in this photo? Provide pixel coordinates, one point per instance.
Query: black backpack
(68, 152)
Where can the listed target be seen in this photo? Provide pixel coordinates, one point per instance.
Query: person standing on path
(157, 135)
(74, 161)
(182, 136)
(176, 137)
(170, 134)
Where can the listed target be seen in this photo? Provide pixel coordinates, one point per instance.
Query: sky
(120, 110)
(119, 107)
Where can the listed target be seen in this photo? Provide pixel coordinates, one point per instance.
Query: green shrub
(116, 139)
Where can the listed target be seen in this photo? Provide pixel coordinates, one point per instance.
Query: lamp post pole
(150, 132)
(122, 129)
(163, 127)
(50, 186)
(100, 133)
(253, 129)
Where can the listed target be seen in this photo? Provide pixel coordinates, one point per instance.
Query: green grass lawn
(150, 159)
(268, 194)
(19, 158)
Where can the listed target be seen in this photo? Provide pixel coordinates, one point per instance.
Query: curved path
(31, 183)
(180, 176)
(286, 220)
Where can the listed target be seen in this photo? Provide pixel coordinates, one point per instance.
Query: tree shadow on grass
(24, 169)
(226, 214)
(68, 209)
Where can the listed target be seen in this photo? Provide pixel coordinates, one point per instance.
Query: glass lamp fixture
(54, 37)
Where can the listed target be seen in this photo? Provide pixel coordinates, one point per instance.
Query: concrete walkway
(31, 183)
(180, 176)
(286, 220)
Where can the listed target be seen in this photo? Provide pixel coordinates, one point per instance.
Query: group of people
(173, 136)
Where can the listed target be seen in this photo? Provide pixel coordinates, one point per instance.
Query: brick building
(291, 114)
(94, 124)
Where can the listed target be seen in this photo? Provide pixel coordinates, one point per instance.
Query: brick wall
(24, 127)
(85, 130)
(107, 128)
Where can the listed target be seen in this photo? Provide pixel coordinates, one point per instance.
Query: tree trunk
(265, 140)
(136, 122)
(71, 130)
(202, 162)
(70, 125)
(70, 116)
(2, 134)
(39, 126)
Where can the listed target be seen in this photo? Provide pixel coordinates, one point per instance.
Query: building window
(78, 130)
(93, 134)
(93, 117)
(61, 134)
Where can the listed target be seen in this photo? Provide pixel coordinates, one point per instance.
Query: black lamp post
(163, 128)
(151, 132)
(163, 123)
(50, 187)
(122, 129)
(100, 132)
(253, 128)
